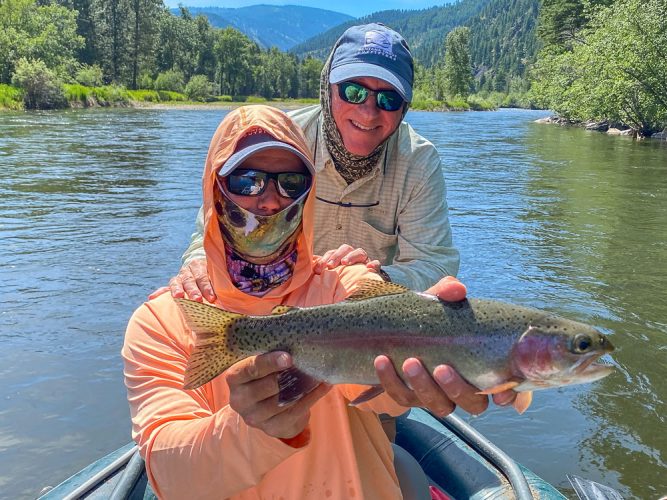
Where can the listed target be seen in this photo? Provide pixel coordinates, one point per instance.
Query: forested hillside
(598, 60)
(281, 26)
(502, 36)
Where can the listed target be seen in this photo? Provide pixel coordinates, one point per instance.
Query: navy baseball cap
(376, 51)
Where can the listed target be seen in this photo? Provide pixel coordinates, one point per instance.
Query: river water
(97, 206)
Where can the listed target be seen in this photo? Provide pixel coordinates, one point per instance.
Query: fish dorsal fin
(281, 309)
(210, 356)
(369, 288)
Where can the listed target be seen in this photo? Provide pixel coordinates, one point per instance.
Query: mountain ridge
(281, 26)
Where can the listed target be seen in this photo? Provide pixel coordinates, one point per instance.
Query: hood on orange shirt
(233, 127)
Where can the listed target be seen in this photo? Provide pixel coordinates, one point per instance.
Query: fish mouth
(592, 369)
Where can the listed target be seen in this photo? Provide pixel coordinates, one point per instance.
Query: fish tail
(211, 355)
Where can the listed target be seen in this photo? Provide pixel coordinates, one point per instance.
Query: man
(229, 437)
(381, 192)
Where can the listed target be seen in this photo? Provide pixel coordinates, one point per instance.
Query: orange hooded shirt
(195, 445)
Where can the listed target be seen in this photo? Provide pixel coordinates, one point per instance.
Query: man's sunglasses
(386, 100)
(254, 182)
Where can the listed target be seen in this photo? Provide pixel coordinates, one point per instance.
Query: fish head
(557, 352)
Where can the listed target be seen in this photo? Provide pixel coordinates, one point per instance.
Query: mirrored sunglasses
(354, 93)
(254, 182)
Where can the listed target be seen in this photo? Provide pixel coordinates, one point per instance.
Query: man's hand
(443, 390)
(344, 255)
(253, 394)
(193, 280)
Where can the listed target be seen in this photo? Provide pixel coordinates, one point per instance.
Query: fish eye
(581, 343)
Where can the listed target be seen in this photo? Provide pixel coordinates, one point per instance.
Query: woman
(229, 437)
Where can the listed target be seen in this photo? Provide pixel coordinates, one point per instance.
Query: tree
(206, 63)
(42, 89)
(626, 85)
(309, 81)
(47, 33)
(457, 71)
(560, 21)
(236, 55)
(144, 28)
(113, 43)
(199, 88)
(178, 43)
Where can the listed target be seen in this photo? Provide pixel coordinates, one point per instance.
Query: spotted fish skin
(493, 345)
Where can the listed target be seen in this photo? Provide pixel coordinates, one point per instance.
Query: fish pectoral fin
(522, 401)
(281, 309)
(293, 384)
(369, 288)
(373, 392)
(505, 386)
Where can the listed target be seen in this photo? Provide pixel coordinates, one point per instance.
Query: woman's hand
(253, 394)
(444, 389)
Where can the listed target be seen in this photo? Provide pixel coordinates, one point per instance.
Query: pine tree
(457, 72)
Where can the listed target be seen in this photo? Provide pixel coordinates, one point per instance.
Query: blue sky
(352, 7)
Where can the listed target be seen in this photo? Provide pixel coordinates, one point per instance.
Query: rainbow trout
(495, 346)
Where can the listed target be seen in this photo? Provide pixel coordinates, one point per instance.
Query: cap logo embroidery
(378, 42)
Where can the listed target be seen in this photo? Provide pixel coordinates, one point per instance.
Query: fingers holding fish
(449, 289)
(257, 367)
(440, 393)
(254, 380)
(253, 387)
(430, 394)
(392, 383)
(253, 394)
(460, 392)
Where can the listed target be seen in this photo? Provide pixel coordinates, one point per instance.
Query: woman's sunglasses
(254, 182)
(386, 100)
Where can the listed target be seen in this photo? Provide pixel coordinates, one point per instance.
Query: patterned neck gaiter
(258, 279)
(351, 167)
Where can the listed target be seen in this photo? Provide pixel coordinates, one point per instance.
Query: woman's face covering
(363, 126)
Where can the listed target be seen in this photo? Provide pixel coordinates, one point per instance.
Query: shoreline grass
(81, 96)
